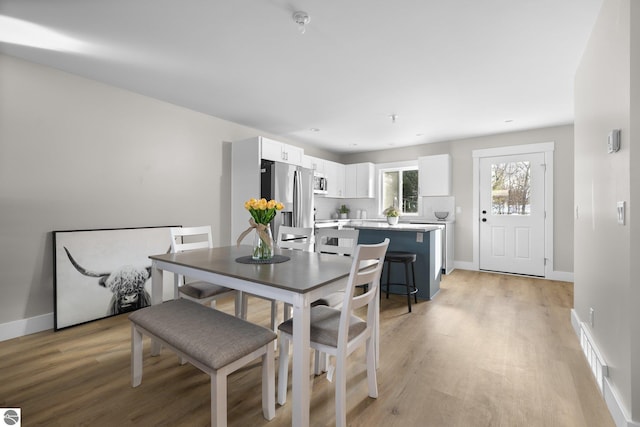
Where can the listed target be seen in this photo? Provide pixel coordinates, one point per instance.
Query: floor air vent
(598, 366)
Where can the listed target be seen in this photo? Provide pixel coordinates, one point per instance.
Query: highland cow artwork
(102, 273)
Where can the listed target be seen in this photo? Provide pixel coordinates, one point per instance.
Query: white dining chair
(298, 238)
(199, 291)
(339, 332)
(338, 242)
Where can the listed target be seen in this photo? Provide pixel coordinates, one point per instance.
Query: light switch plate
(613, 141)
(419, 237)
(620, 207)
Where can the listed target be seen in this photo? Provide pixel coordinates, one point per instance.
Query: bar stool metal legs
(408, 259)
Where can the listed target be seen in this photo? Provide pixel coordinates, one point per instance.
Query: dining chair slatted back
(346, 241)
(339, 332)
(300, 238)
(201, 238)
(190, 238)
(296, 238)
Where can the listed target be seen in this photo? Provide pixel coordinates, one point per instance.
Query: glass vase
(263, 245)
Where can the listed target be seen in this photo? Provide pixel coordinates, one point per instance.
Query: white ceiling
(448, 69)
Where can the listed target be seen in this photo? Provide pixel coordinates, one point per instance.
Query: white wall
(78, 154)
(462, 165)
(606, 254)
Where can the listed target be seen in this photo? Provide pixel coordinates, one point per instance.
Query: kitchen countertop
(402, 221)
(397, 227)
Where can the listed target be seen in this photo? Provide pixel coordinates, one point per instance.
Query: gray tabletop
(304, 272)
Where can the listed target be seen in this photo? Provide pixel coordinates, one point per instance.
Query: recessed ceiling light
(419, 134)
(314, 130)
(508, 120)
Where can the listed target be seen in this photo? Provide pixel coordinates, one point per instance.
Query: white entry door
(512, 214)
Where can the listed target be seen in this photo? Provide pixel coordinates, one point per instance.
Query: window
(510, 188)
(400, 189)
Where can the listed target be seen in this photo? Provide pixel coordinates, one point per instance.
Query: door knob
(484, 212)
(484, 219)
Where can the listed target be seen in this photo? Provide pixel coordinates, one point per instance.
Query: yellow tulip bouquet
(262, 213)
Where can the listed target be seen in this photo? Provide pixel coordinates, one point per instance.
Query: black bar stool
(408, 259)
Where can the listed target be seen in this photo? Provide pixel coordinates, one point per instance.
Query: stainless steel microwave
(319, 183)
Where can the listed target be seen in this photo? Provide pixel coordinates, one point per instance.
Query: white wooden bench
(211, 340)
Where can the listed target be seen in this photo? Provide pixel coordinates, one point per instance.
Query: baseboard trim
(462, 265)
(22, 327)
(561, 276)
(617, 410)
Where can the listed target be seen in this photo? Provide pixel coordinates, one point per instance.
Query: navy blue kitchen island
(421, 239)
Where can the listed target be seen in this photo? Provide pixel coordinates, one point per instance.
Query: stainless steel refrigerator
(291, 185)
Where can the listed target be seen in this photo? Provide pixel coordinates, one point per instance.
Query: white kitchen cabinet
(360, 180)
(307, 162)
(315, 163)
(335, 174)
(280, 152)
(435, 175)
(292, 154)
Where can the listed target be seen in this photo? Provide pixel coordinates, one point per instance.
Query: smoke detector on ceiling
(302, 19)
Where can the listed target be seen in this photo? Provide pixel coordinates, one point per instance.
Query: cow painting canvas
(101, 273)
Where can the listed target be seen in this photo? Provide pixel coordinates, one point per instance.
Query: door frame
(547, 148)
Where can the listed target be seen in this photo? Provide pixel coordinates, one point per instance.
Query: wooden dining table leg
(300, 396)
(156, 298)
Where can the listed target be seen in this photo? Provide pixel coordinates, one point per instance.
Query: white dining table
(304, 278)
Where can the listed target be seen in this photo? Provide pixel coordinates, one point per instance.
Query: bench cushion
(210, 336)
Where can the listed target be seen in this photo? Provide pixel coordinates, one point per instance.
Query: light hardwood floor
(488, 350)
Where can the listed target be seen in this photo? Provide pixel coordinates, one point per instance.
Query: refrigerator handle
(297, 188)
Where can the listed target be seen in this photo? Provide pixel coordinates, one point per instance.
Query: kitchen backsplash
(439, 204)
(327, 207)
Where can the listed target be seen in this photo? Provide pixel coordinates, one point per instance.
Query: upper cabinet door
(335, 173)
(366, 180)
(360, 180)
(435, 175)
(315, 163)
(271, 150)
(280, 152)
(350, 184)
(292, 154)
